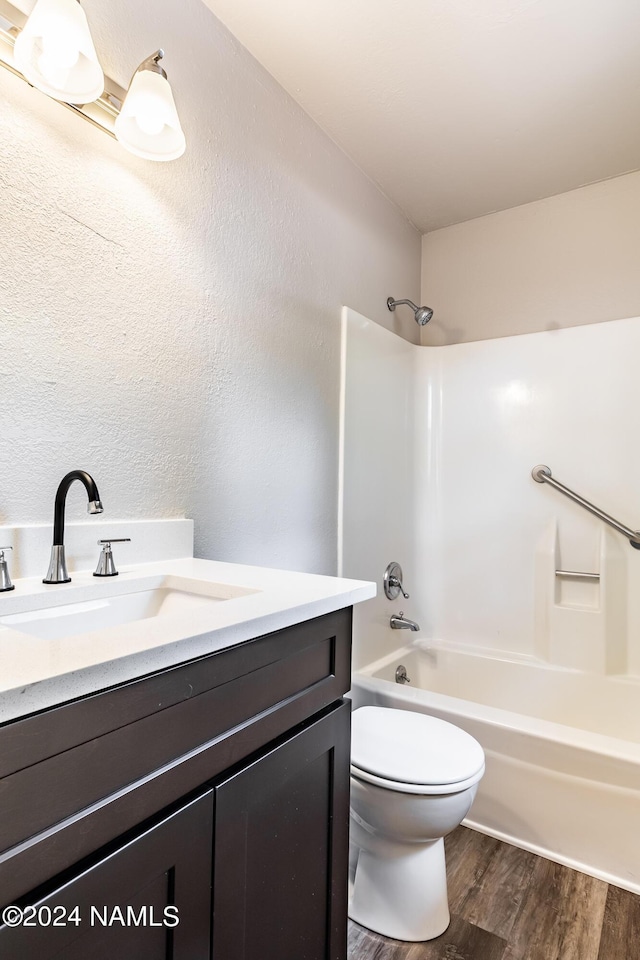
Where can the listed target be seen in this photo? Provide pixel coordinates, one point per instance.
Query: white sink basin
(126, 602)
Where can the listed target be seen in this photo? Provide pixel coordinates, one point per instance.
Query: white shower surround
(438, 450)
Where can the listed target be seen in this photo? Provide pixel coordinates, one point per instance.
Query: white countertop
(37, 673)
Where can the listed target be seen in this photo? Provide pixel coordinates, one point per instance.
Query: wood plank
(461, 941)
(494, 900)
(620, 939)
(468, 855)
(560, 917)
(363, 944)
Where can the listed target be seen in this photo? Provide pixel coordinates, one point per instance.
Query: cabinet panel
(281, 849)
(167, 865)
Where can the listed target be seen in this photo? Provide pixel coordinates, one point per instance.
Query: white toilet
(413, 780)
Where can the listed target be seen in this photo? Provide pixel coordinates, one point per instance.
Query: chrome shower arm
(392, 304)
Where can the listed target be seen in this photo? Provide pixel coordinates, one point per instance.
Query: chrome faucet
(400, 622)
(57, 572)
(5, 579)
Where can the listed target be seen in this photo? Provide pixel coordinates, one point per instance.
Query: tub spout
(398, 621)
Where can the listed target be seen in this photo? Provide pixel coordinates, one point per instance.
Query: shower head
(422, 314)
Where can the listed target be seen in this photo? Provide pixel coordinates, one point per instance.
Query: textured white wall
(568, 260)
(175, 329)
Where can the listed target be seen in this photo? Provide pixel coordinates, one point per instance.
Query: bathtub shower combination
(562, 750)
(529, 605)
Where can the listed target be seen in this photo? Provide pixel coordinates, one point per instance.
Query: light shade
(56, 54)
(148, 124)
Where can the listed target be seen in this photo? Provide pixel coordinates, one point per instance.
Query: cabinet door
(281, 849)
(167, 865)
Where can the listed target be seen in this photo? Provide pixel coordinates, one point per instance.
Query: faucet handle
(106, 567)
(393, 581)
(5, 579)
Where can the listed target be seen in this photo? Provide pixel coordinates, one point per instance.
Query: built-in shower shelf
(581, 615)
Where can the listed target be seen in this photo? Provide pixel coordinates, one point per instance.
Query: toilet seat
(424, 789)
(412, 752)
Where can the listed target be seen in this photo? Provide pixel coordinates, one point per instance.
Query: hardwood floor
(507, 904)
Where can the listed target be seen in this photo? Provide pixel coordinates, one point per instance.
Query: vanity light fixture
(148, 123)
(55, 53)
(52, 50)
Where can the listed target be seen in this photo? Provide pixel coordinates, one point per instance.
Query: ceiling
(458, 108)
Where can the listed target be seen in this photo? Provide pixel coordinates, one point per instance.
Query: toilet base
(403, 893)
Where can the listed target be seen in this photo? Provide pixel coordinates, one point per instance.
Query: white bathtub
(562, 747)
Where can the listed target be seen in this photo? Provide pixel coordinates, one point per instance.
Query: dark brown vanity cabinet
(215, 793)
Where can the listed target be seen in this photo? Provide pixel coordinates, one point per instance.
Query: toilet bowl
(413, 780)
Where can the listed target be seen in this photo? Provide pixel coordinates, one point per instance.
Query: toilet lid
(412, 747)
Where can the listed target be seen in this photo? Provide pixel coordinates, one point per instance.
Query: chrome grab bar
(542, 474)
(577, 575)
